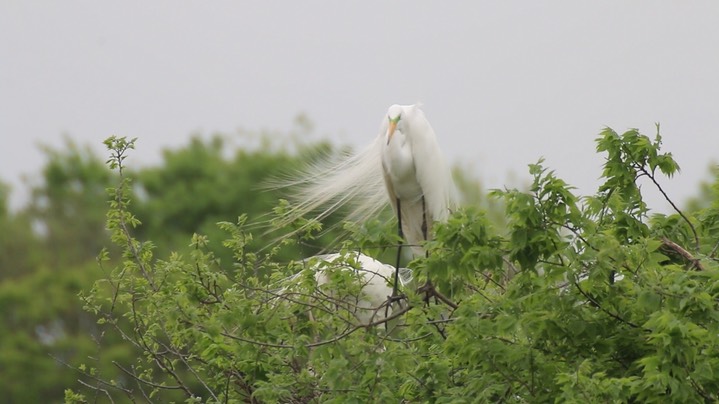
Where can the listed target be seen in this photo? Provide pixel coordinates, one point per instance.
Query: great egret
(418, 182)
(372, 304)
(404, 162)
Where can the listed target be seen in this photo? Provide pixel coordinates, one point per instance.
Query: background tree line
(49, 246)
(607, 301)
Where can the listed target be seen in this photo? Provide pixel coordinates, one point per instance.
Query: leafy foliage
(579, 299)
(65, 206)
(49, 247)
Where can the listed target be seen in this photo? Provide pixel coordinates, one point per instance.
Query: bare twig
(599, 306)
(433, 292)
(319, 343)
(143, 381)
(253, 342)
(191, 369)
(394, 315)
(98, 389)
(695, 262)
(96, 379)
(686, 219)
(714, 251)
(406, 340)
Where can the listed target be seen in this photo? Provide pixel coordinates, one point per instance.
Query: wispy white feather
(407, 166)
(348, 180)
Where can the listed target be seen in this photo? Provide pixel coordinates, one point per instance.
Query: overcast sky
(503, 83)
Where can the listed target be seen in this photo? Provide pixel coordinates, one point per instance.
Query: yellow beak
(390, 131)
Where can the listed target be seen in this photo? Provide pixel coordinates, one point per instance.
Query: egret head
(393, 115)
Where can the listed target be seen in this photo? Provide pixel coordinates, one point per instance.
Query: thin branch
(97, 379)
(406, 340)
(119, 195)
(599, 306)
(686, 219)
(157, 357)
(509, 377)
(433, 292)
(98, 389)
(143, 381)
(479, 291)
(397, 314)
(319, 343)
(442, 321)
(190, 368)
(698, 388)
(696, 263)
(511, 266)
(714, 251)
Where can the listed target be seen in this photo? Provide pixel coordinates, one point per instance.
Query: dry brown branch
(431, 291)
(695, 262)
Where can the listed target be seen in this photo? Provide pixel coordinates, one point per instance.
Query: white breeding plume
(404, 163)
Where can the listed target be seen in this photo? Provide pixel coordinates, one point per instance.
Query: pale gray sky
(503, 83)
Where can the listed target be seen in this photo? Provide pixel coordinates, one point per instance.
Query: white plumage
(404, 162)
(375, 278)
(370, 306)
(416, 176)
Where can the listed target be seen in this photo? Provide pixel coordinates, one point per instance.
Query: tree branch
(433, 292)
(599, 306)
(695, 262)
(143, 381)
(686, 219)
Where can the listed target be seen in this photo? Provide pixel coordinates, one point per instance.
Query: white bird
(418, 182)
(374, 277)
(404, 162)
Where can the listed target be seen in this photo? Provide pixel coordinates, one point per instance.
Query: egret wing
(433, 174)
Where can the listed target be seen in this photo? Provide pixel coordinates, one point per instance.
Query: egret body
(371, 304)
(403, 166)
(418, 182)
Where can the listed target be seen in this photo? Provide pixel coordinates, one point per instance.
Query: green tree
(19, 246)
(47, 255)
(48, 250)
(199, 185)
(44, 327)
(67, 208)
(587, 299)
